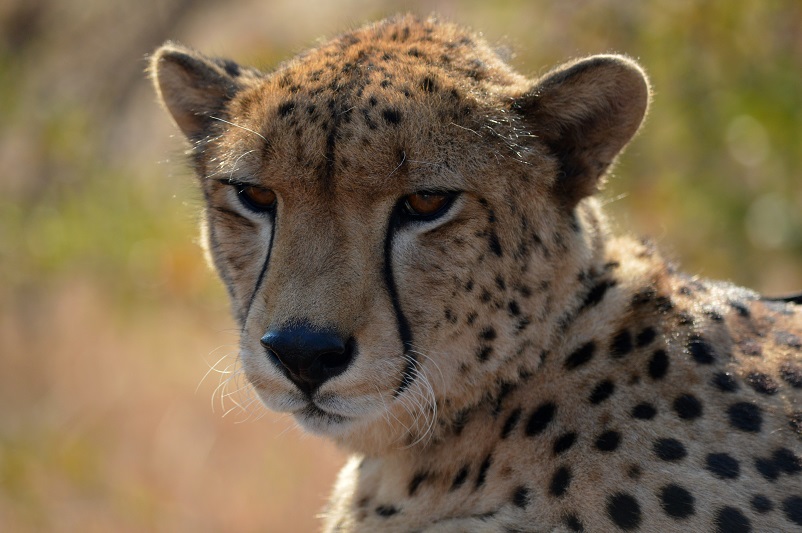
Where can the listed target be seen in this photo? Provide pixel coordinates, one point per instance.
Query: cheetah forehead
(392, 96)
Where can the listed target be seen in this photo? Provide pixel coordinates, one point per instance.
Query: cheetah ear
(193, 87)
(586, 112)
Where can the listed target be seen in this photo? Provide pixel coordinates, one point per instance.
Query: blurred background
(110, 321)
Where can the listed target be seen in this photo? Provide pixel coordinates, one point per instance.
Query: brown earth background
(109, 319)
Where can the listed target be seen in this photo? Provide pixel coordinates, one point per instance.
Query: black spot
(646, 337)
(787, 461)
(621, 344)
(762, 383)
(386, 510)
(385, 83)
(608, 441)
(392, 116)
(731, 520)
(643, 296)
(459, 478)
(564, 442)
(792, 375)
(745, 416)
(503, 391)
(644, 411)
(792, 507)
(601, 392)
(495, 245)
(460, 420)
(676, 501)
(488, 334)
(688, 407)
(580, 356)
(573, 523)
(634, 472)
(513, 308)
(428, 85)
(658, 364)
(767, 468)
(724, 382)
(761, 504)
(231, 68)
(540, 419)
(484, 352)
(723, 466)
(520, 497)
(595, 295)
(510, 423)
(560, 481)
(684, 319)
(624, 511)
(740, 308)
(701, 351)
(286, 108)
(500, 283)
(663, 304)
(419, 478)
(480, 478)
(669, 449)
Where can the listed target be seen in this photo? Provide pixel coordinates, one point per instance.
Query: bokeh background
(110, 320)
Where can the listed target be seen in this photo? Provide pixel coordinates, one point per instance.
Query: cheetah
(420, 269)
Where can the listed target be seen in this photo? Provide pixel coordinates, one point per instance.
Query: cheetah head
(397, 215)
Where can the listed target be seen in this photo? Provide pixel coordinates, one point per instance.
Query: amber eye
(256, 199)
(426, 204)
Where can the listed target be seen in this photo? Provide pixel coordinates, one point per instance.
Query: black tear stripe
(404, 332)
(262, 272)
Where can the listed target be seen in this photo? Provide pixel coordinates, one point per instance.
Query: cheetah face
(381, 210)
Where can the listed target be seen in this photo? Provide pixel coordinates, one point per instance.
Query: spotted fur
(516, 367)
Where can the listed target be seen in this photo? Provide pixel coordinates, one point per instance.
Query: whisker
(403, 159)
(236, 162)
(241, 127)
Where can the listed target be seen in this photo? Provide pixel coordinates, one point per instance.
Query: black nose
(308, 356)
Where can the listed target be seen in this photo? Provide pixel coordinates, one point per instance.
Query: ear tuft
(585, 112)
(193, 87)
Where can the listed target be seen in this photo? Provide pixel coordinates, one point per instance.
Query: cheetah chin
(420, 270)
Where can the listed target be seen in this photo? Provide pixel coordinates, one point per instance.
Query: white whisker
(241, 127)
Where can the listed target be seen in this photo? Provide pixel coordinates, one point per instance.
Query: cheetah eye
(257, 199)
(426, 205)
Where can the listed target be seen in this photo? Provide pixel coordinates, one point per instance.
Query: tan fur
(559, 379)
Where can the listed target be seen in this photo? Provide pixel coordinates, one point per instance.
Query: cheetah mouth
(317, 420)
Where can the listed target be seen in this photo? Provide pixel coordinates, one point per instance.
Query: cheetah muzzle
(409, 237)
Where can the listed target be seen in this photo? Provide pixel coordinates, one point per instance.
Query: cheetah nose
(308, 356)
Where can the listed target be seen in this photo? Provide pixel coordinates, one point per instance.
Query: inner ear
(585, 112)
(193, 87)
